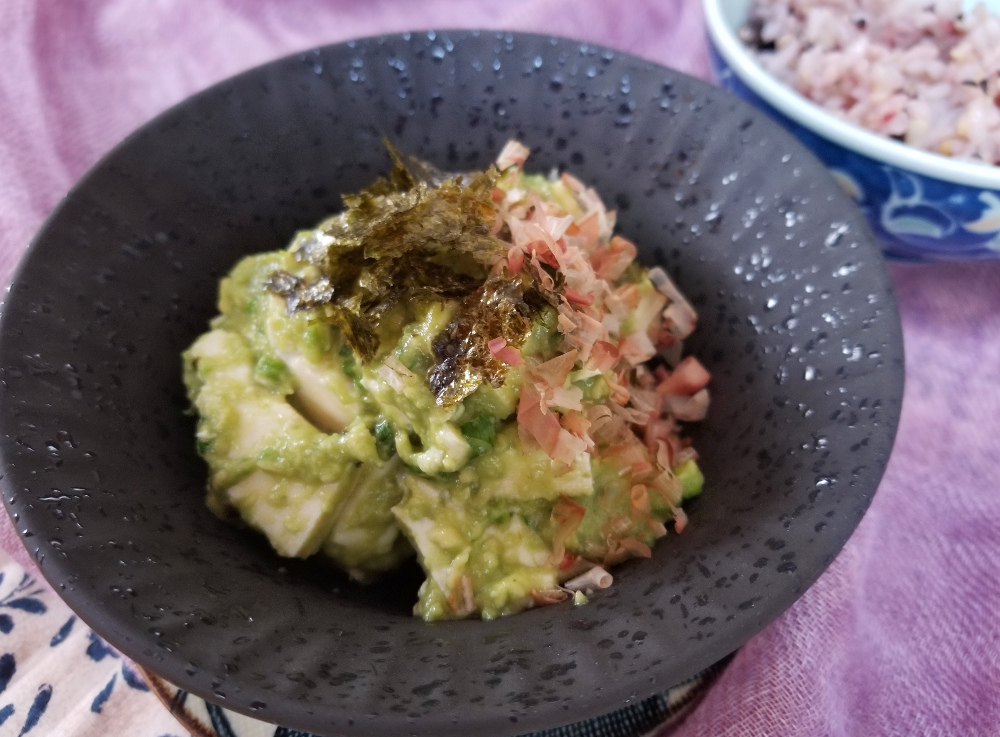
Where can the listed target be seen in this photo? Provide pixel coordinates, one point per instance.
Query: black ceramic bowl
(798, 326)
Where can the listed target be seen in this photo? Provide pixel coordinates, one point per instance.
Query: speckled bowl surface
(921, 206)
(100, 474)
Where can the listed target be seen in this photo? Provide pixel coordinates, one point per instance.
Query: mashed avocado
(474, 395)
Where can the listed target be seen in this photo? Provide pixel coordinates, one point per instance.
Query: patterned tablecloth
(899, 637)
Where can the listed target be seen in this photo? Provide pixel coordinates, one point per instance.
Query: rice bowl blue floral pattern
(57, 677)
(917, 217)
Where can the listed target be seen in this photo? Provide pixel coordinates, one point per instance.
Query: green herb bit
(691, 478)
(272, 373)
(385, 440)
(481, 432)
(595, 388)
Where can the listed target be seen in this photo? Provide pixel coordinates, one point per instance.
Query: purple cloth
(901, 636)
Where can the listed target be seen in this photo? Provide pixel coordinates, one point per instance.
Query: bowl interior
(798, 326)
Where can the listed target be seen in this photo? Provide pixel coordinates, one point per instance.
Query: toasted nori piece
(415, 233)
(503, 307)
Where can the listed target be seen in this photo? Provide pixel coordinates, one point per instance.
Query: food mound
(470, 367)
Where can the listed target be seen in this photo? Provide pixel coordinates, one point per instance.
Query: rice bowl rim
(807, 113)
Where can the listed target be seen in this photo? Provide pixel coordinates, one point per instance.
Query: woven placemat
(656, 715)
(57, 677)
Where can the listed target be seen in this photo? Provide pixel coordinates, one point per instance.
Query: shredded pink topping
(688, 409)
(604, 355)
(512, 154)
(555, 371)
(577, 297)
(505, 353)
(680, 518)
(613, 320)
(535, 421)
(687, 378)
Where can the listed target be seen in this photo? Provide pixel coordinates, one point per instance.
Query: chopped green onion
(481, 432)
(271, 372)
(317, 340)
(385, 440)
(691, 478)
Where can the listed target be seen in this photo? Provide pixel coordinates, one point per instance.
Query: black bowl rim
(614, 694)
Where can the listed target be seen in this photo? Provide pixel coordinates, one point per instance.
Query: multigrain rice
(917, 71)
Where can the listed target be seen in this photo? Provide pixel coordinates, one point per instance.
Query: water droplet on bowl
(836, 233)
(854, 353)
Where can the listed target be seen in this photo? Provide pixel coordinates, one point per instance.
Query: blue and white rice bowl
(922, 206)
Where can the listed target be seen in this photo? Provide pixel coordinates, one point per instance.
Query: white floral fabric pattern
(59, 678)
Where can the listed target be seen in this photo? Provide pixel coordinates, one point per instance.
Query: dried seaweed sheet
(413, 233)
(503, 307)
